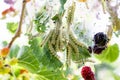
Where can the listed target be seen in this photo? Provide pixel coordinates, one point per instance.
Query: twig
(18, 32)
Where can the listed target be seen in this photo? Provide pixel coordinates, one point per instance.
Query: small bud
(4, 52)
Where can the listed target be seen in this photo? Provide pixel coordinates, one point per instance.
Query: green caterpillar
(46, 38)
(53, 38)
(75, 40)
(52, 50)
(74, 47)
(70, 14)
(57, 43)
(68, 55)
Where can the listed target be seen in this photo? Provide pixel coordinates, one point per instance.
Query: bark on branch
(18, 32)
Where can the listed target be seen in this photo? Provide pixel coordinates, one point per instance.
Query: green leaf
(41, 19)
(41, 77)
(76, 77)
(52, 61)
(12, 27)
(14, 51)
(62, 2)
(17, 72)
(56, 17)
(41, 28)
(28, 60)
(83, 54)
(43, 55)
(36, 49)
(16, 69)
(116, 77)
(53, 75)
(110, 54)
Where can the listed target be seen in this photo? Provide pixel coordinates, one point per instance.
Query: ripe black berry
(97, 49)
(100, 39)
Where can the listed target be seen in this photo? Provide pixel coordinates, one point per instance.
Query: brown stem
(18, 32)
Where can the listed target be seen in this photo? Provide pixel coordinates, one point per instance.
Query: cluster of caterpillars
(60, 40)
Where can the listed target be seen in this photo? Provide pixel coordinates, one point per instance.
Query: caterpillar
(61, 44)
(68, 55)
(70, 14)
(52, 50)
(46, 38)
(75, 48)
(57, 43)
(59, 37)
(58, 25)
(53, 38)
(55, 33)
(65, 35)
(75, 40)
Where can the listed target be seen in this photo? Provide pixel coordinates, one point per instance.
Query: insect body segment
(68, 55)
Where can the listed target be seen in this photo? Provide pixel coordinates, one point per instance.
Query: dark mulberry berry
(87, 74)
(100, 39)
(98, 50)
